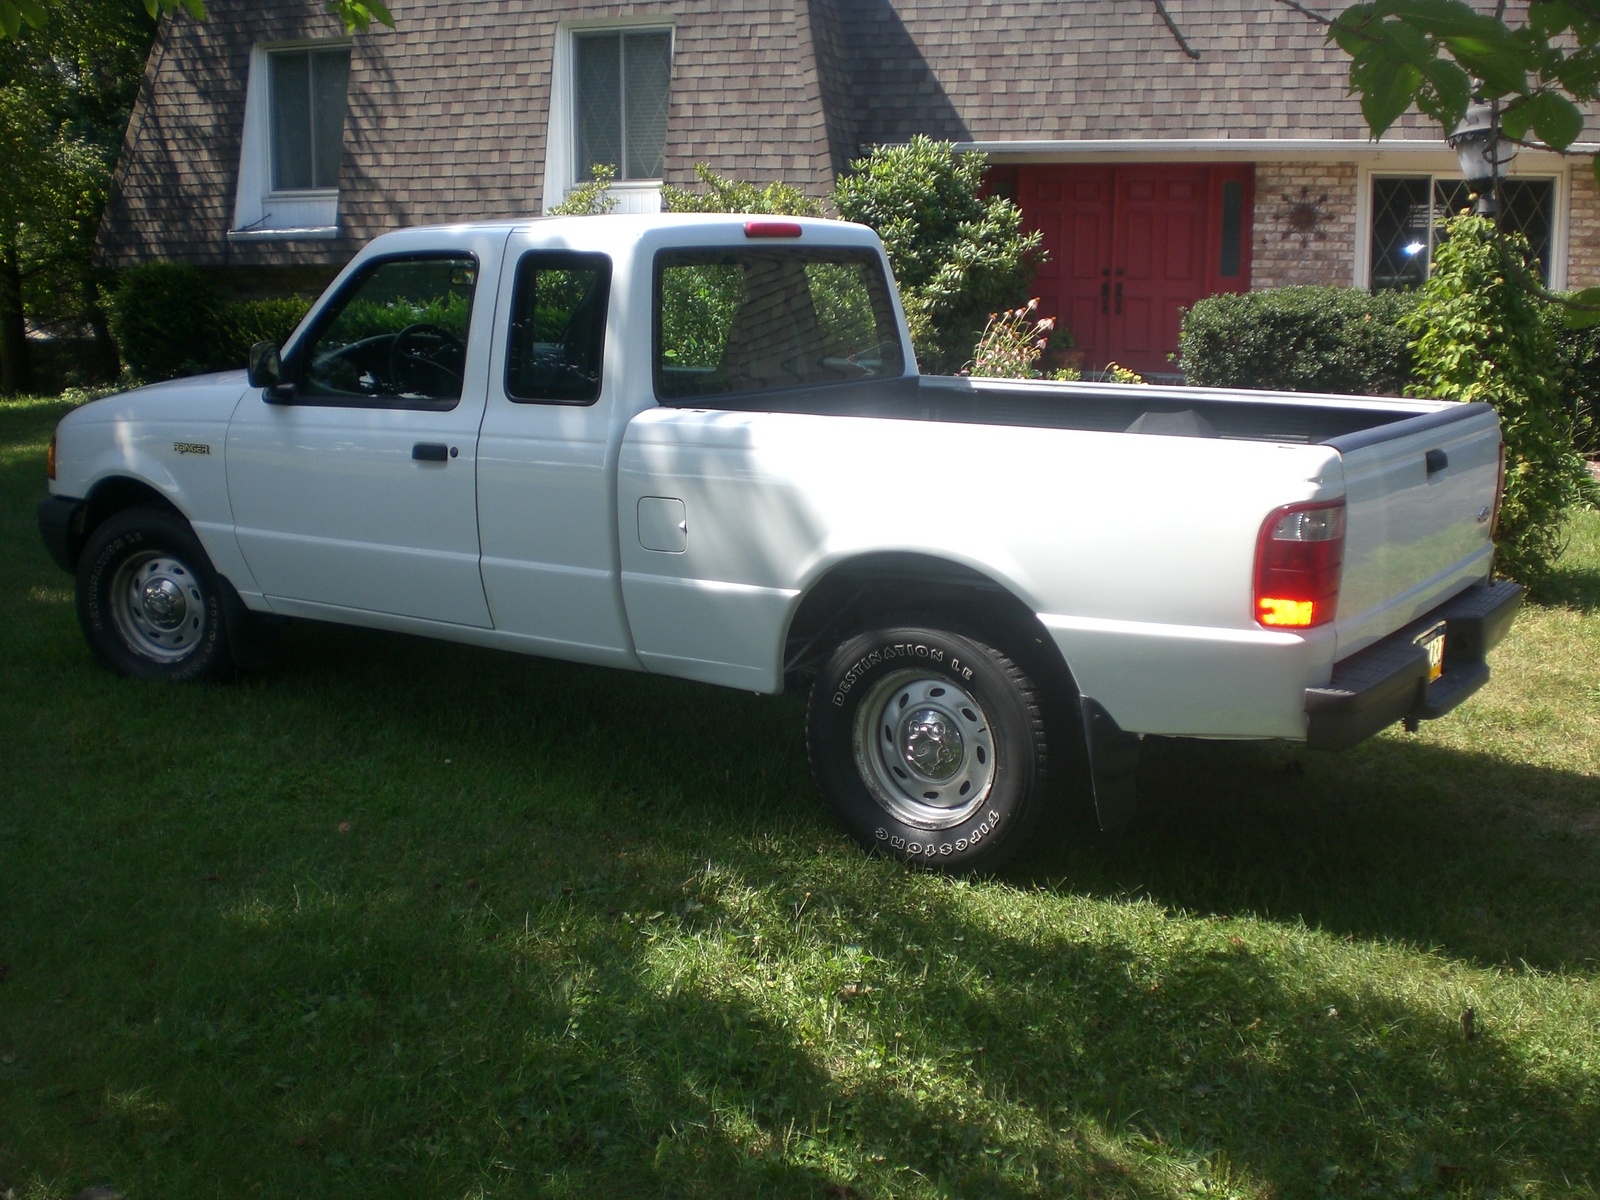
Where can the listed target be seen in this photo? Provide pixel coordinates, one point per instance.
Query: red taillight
(771, 229)
(1299, 556)
(50, 459)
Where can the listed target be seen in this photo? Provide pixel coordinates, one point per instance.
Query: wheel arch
(867, 589)
(108, 497)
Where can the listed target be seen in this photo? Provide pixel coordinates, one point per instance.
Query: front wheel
(149, 602)
(929, 746)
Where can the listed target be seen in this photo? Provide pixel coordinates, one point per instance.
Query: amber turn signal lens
(50, 459)
(1273, 611)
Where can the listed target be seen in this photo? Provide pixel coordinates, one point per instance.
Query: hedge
(1300, 339)
(168, 320)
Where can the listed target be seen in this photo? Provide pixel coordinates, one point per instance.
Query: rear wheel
(930, 746)
(149, 602)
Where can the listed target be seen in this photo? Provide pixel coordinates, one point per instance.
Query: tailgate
(1419, 494)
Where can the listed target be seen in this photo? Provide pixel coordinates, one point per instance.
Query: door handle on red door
(1105, 299)
(1119, 297)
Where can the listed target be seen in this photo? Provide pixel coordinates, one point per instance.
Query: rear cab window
(558, 327)
(747, 320)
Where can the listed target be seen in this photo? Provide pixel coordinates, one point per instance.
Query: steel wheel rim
(925, 749)
(158, 606)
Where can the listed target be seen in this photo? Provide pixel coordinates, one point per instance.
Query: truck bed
(1291, 417)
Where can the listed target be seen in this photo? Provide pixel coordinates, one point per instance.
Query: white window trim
(1560, 200)
(560, 171)
(259, 213)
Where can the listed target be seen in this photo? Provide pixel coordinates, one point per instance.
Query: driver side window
(399, 334)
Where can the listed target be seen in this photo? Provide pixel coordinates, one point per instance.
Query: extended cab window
(768, 318)
(399, 333)
(558, 327)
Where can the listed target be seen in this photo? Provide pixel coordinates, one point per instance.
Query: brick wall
(1583, 236)
(1305, 224)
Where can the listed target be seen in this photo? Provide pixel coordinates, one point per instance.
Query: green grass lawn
(407, 919)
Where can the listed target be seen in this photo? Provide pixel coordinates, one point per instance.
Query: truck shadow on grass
(1489, 860)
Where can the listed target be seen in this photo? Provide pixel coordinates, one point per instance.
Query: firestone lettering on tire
(943, 849)
(866, 662)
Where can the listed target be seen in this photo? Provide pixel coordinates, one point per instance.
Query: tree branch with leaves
(1442, 56)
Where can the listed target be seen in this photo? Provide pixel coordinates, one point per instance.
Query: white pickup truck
(699, 446)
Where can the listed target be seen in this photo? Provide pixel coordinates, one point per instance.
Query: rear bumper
(1388, 682)
(61, 526)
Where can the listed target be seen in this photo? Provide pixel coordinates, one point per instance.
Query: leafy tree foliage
(1441, 55)
(65, 94)
(1479, 336)
(958, 255)
(14, 14)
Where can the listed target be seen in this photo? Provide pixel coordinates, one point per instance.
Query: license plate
(1432, 643)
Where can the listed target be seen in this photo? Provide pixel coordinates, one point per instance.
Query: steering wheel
(420, 359)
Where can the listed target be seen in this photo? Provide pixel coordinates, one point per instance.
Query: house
(267, 145)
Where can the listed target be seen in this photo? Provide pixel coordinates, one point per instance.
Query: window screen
(752, 320)
(308, 101)
(620, 101)
(558, 327)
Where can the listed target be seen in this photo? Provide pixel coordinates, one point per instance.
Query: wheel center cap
(931, 744)
(163, 604)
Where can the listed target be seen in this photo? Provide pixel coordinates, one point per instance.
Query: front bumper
(1388, 681)
(61, 526)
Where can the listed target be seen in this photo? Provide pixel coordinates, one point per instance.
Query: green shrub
(723, 195)
(1300, 339)
(1577, 377)
(243, 323)
(1481, 335)
(164, 318)
(591, 199)
(957, 255)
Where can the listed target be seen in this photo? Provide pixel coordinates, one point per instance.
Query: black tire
(149, 601)
(929, 746)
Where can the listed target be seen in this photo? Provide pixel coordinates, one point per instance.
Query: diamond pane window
(1402, 220)
(308, 104)
(623, 79)
(1409, 212)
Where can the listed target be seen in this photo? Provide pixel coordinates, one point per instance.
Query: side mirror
(265, 366)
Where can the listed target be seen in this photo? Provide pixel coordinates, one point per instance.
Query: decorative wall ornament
(1302, 216)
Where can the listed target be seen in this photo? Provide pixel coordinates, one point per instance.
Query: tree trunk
(16, 372)
(104, 364)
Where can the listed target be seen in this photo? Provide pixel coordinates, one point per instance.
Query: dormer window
(608, 106)
(308, 103)
(292, 142)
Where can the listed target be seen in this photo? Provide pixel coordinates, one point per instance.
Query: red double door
(1130, 246)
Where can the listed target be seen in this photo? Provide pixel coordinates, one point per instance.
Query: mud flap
(1113, 765)
(252, 636)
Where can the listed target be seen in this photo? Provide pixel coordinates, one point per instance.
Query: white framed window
(292, 141)
(1406, 210)
(610, 89)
